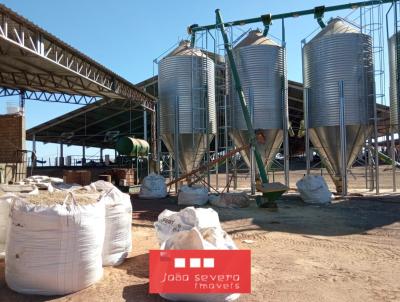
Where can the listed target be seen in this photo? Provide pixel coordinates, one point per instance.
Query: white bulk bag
(118, 232)
(230, 200)
(5, 202)
(153, 186)
(313, 189)
(54, 250)
(170, 222)
(196, 195)
(204, 239)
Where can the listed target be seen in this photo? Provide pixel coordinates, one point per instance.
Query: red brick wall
(12, 137)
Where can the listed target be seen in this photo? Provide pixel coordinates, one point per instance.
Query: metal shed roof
(93, 125)
(32, 59)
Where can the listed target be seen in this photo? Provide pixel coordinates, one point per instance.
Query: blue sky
(126, 35)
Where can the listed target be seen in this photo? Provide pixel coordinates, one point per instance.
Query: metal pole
(22, 101)
(176, 142)
(252, 172)
(171, 176)
(393, 153)
(157, 136)
(370, 164)
(306, 126)
(252, 163)
(343, 146)
(235, 183)
(376, 149)
(226, 141)
(294, 14)
(61, 161)
(101, 155)
(366, 165)
(306, 99)
(83, 154)
(34, 150)
(145, 125)
(395, 127)
(216, 154)
(207, 130)
(145, 136)
(285, 108)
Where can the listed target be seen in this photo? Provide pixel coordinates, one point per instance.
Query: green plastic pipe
(294, 14)
(239, 90)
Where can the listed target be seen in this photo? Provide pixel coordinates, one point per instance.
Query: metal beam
(34, 43)
(293, 14)
(50, 96)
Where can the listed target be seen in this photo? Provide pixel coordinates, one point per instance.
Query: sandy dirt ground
(346, 251)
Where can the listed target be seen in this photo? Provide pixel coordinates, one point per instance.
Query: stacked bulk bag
(170, 222)
(5, 202)
(193, 229)
(153, 187)
(55, 246)
(194, 195)
(313, 189)
(118, 221)
(118, 225)
(230, 200)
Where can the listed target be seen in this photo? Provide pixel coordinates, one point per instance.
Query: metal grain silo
(339, 52)
(187, 104)
(394, 84)
(260, 64)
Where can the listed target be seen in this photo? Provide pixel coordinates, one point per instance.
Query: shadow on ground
(137, 266)
(353, 215)
(140, 292)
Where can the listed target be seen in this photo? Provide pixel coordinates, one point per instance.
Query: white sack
(313, 189)
(196, 195)
(170, 222)
(153, 186)
(54, 250)
(23, 189)
(5, 202)
(204, 239)
(118, 231)
(230, 200)
(102, 185)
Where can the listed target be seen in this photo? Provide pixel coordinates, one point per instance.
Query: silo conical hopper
(187, 104)
(340, 52)
(394, 82)
(260, 64)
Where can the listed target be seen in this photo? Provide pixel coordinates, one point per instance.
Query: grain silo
(260, 64)
(338, 65)
(187, 104)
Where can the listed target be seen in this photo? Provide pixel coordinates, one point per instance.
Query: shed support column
(83, 155)
(61, 160)
(101, 155)
(22, 101)
(34, 150)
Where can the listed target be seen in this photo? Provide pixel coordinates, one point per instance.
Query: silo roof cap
(184, 49)
(337, 26)
(255, 37)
